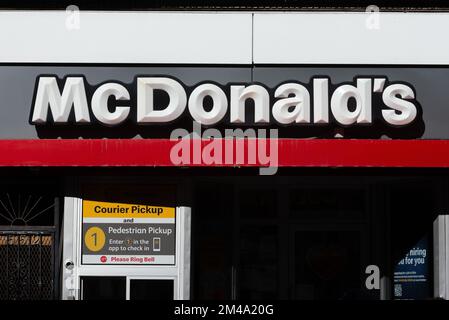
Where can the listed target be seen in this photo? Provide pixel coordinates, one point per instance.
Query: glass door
(144, 288)
(126, 288)
(103, 288)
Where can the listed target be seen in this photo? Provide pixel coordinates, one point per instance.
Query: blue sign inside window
(412, 273)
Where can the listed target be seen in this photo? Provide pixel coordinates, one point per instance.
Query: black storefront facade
(96, 204)
(298, 222)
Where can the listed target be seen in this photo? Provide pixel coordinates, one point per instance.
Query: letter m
(48, 96)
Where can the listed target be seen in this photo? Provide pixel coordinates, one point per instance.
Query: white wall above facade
(224, 37)
(351, 38)
(125, 37)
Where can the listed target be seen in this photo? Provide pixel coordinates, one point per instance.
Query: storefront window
(214, 240)
(258, 203)
(335, 203)
(327, 265)
(312, 243)
(258, 277)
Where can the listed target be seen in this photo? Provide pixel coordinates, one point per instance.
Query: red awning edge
(291, 153)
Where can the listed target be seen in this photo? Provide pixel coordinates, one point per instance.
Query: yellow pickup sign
(97, 209)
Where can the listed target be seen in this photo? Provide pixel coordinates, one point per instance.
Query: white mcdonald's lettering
(348, 104)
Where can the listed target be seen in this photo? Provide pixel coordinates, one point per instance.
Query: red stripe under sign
(291, 153)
